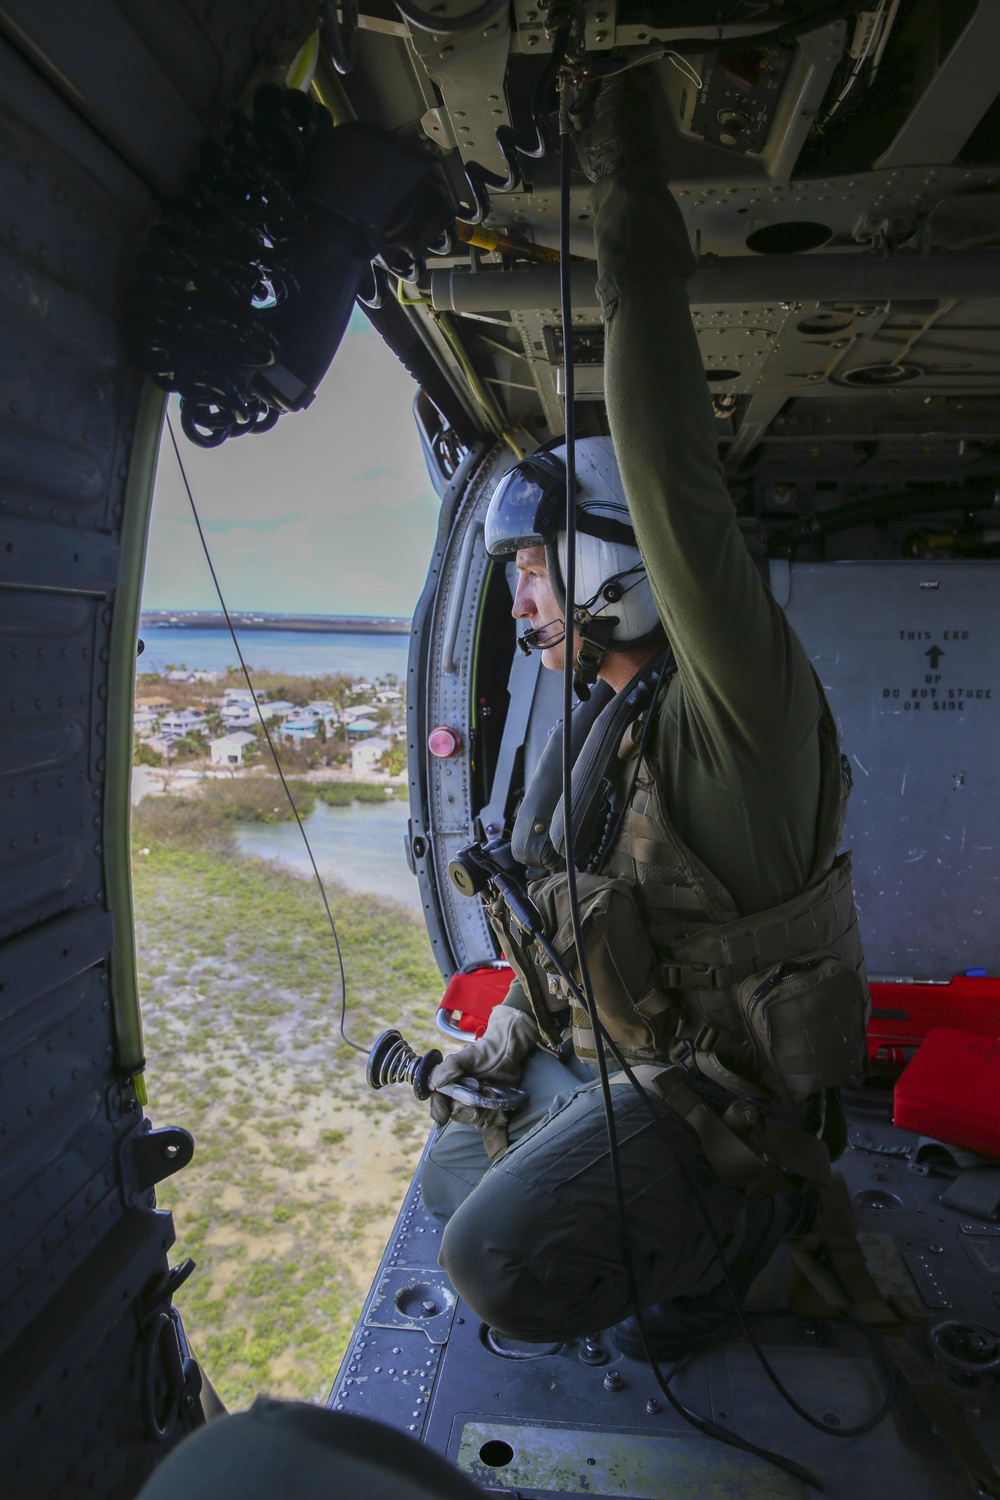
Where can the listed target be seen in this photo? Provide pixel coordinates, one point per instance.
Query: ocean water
(301, 652)
(360, 846)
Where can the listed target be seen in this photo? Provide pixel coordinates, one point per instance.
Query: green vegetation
(145, 755)
(204, 818)
(299, 1167)
(343, 793)
(193, 746)
(393, 760)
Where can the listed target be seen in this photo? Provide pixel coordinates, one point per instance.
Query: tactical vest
(771, 1006)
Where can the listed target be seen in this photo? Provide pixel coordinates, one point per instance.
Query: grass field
(299, 1168)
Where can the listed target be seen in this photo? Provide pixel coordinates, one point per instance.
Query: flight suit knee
(493, 1284)
(454, 1165)
(492, 1249)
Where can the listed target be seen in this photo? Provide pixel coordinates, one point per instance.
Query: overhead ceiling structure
(837, 170)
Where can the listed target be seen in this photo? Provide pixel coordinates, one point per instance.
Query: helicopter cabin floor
(561, 1423)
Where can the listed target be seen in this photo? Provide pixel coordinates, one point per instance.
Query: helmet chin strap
(595, 642)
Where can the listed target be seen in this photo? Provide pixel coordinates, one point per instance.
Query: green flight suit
(531, 1242)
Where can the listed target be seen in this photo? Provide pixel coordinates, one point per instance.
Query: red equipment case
(950, 1090)
(904, 1013)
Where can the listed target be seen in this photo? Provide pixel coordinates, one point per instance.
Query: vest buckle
(696, 976)
(706, 1038)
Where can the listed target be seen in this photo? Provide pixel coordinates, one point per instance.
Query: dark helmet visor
(526, 506)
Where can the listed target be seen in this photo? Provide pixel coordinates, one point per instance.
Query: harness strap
(760, 1169)
(713, 1068)
(693, 976)
(833, 1277)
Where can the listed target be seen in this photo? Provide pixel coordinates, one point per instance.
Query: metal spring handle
(393, 1060)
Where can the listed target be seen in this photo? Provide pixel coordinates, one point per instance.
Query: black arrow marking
(935, 654)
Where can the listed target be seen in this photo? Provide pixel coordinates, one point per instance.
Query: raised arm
(744, 676)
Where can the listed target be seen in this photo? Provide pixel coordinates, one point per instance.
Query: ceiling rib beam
(740, 278)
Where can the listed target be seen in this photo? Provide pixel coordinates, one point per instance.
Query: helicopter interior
(838, 169)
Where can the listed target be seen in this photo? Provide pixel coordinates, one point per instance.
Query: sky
(331, 512)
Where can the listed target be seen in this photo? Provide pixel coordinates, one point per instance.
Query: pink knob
(444, 742)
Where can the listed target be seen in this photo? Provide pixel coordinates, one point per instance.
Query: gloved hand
(626, 126)
(498, 1056)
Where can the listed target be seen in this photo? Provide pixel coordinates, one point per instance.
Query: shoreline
(165, 619)
(181, 780)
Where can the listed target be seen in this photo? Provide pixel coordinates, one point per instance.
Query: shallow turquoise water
(360, 846)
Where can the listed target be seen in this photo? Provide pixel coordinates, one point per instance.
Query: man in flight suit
(737, 758)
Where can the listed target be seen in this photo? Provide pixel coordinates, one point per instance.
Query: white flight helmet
(528, 509)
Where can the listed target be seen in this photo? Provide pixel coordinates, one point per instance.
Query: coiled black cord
(340, 32)
(543, 102)
(220, 261)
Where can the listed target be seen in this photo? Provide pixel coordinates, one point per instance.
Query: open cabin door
(102, 110)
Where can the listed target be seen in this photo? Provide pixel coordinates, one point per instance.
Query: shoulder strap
(653, 839)
(531, 841)
(600, 754)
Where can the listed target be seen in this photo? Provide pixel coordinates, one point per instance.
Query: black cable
(267, 735)
(608, 840)
(874, 1343)
(604, 1040)
(585, 991)
(480, 180)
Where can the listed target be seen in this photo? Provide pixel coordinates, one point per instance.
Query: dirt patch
(299, 1168)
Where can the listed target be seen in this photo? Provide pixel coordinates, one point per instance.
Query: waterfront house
(242, 695)
(144, 721)
(228, 749)
(238, 715)
(174, 726)
(279, 709)
(302, 727)
(366, 754)
(359, 727)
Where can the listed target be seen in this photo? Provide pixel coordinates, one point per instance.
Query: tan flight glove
(498, 1056)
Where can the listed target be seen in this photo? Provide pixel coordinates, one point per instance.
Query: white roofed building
(229, 749)
(366, 754)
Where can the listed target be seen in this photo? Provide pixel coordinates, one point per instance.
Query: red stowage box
(904, 1013)
(951, 1090)
(470, 997)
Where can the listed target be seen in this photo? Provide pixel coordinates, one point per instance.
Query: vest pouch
(805, 1020)
(621, 961)
(520, 952)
